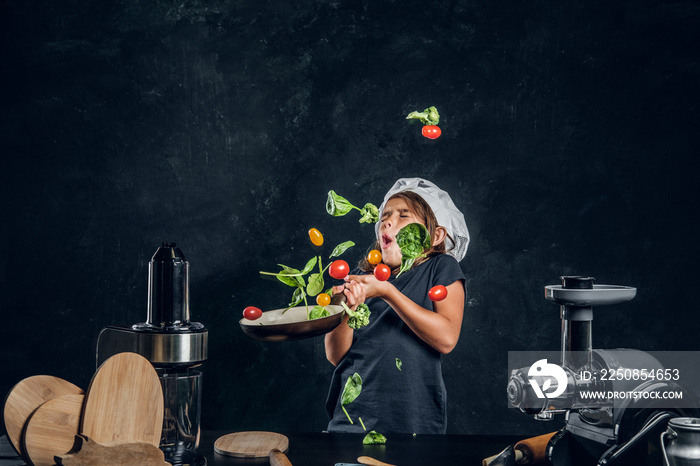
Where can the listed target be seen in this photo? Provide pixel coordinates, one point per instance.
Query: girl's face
(396, 215)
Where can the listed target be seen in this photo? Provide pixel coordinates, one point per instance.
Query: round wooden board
(51, 430)
(25, 397)
(124, 402)
(253, 444)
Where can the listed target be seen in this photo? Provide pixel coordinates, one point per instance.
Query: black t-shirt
(409, 400)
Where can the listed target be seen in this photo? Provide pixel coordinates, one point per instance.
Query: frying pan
(291, 324)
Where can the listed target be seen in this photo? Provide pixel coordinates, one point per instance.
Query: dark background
(569, 141)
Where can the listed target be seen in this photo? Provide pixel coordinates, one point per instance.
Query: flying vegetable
(338, 206)
(430, 119)
(414, 240)
(437, 293)
(295, 278)
(359, 317)
(316, 237)
(382, 272)
(353, 387)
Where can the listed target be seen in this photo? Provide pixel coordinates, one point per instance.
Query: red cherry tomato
(382, 272)
(431, 131)
(252, 313)
(437, 293)
(339, 269)
(374, 257)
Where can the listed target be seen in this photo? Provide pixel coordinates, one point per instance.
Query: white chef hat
(447, 214)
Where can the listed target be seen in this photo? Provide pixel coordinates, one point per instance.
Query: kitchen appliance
(175, 346)
(609, 430)
(683, 449)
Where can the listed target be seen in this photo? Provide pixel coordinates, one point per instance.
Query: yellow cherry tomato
(374, 257)
(316, 237)
(323, 299)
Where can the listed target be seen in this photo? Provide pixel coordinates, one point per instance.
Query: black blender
(175, 346)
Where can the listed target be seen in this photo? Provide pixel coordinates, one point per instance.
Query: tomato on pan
(252, 313)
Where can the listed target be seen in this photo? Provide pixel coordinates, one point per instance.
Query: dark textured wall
(569, 141)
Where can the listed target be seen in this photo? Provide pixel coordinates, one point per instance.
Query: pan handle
(339, 298)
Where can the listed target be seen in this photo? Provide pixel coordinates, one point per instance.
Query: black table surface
(319, 449)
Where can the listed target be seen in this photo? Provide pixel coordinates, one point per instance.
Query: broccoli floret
(359, 317)
(429, 116)
(370, 213)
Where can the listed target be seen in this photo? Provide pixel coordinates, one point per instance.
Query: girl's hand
(366, 286)
(353, 290)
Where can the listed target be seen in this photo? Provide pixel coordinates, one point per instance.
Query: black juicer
(617, 431)
(174, 345)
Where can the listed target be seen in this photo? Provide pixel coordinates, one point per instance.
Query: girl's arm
(338, 341)
(439, 329)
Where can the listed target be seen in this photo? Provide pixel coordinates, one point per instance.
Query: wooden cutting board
(253, 444)
(52, 428)
(89, 453)
(124, 402)
(25, 397)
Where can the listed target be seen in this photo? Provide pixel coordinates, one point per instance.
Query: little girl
(398, 354)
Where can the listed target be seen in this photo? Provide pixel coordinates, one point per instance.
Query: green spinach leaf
(341, 248)
(298, 296)
(309, 265)
(337, 205)
(414, 240)
(353, 388)
(317, 312)
(374, 438)
(287, 275)
(316, 284)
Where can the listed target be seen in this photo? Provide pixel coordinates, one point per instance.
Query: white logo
(547, 372)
